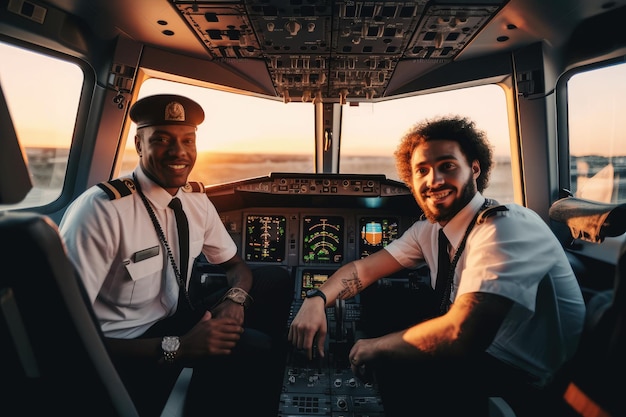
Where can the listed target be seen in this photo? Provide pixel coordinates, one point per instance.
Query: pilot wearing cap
(166, 109)
(123, 234)
(124, 239)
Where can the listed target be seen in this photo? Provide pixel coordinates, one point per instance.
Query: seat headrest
(15, 181)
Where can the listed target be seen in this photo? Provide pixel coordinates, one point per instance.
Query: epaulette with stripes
(118, 188)
(193, 187)
(490, 211)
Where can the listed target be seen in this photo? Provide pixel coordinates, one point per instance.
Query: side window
(42, 94)
(597, 134)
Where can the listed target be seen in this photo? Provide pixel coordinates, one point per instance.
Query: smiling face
(167, 154)
(442, 180)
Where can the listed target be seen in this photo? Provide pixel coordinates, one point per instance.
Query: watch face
(237, 297)
(170, 343)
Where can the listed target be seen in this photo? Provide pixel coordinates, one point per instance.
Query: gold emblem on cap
(174, 112)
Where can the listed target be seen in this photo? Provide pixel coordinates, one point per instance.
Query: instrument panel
(311, 237)
(313, 219)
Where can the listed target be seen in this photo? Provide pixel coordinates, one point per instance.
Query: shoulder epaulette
(193, 187)
(490, 211)
(118, 188)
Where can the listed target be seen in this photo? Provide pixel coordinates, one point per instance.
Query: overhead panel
(369, 39)
(446, 29)
(223, 28)
(335, 50)
(296, 38)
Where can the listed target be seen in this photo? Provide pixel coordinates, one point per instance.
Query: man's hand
(211, 336)
(229, 309)
(309, 324)
(361, 356)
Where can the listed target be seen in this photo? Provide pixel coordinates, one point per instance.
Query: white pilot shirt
(509, 255)
(106, 239)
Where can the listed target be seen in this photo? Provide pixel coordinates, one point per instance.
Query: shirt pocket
(145, 280)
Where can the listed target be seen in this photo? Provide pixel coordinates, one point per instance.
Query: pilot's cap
(166, 109)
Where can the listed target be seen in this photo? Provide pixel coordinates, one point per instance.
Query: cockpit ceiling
(325, 50)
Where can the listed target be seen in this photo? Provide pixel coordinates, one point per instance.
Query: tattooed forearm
(351, 286)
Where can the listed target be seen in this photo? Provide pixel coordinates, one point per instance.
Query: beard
(445, 214)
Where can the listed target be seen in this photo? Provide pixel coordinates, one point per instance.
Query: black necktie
(443, 270)
(183, 240)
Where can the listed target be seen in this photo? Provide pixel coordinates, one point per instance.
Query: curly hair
(473, 143)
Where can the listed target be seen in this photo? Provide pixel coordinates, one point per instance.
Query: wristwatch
(316, 292)
(170, 345)
(239, 296)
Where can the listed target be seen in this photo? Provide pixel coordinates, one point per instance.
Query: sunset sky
(275, 127)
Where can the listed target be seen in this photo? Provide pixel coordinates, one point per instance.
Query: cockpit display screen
(323, 239)
(265, 238)
(376, 233)
(313, 278)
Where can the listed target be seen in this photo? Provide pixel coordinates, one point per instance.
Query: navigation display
(322, 239)
(265, 238)
(313, 278)
(376, 233)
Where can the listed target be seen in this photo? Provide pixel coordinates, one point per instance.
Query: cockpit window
(43, 111)
(597, 138)
(242, 136)
(372, 131)
(245, 136)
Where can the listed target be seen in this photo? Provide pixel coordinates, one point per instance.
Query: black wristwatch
(316, 292)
